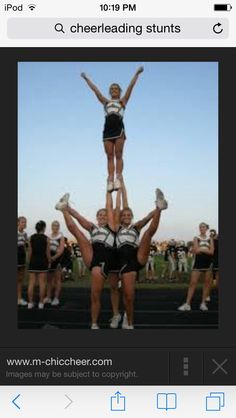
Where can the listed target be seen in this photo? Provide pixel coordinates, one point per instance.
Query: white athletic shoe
(95, 326)
(110, 186)
(22, 302)
(30, 305)
(55, 302)
(41, 305)
(125, 321)
(47, 301)
(203, 307)
(115, 320)
(117, 184)
(184, 307)
(208, 299)
(63, 202)
(128, 327)
(125, 324)
(160, 201)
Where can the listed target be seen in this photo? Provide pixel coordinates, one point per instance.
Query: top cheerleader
(114, 130)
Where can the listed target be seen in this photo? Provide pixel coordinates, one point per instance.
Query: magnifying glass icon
(59, 27)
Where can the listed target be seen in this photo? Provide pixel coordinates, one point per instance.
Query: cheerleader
(54, 279)
(39, 258)
(132, 253)
(114, 130)
(203, 249)
(22, 242)
(97, 252)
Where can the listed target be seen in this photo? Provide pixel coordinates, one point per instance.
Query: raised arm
(124, 195)
(110, 212)
(140, 224)
(94, 88)
(128, 92)
(117, 208)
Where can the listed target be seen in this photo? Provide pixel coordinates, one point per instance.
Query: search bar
(151, 28)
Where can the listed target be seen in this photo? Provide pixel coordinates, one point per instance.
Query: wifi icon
(32, 7)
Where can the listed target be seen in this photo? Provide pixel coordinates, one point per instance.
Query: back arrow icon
(216, 28)
(14, 401)
(70, 402)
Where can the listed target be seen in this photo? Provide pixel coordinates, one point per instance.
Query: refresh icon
(217, 28)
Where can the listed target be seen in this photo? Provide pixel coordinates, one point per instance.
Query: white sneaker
(184, 307)
(208, 299)
(63, 202)
(47, 301)
(125, 321)
(40, 305)
(110, 186)
(95, 326)
(203, 307)
(128, 327)
(22, 302)
(160, 201)
(115, 320)
(30, 305)
(55, 302)
(117, 184)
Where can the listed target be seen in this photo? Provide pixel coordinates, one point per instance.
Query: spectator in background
(203, 248)
(22, 242)
(181, 256)
(170, 256)
(79, 260)
(54, 279)
(39, 259)
(66, 261)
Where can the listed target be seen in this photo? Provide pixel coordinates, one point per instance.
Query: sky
(171, 123)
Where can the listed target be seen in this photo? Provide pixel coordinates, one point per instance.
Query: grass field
(159, 282)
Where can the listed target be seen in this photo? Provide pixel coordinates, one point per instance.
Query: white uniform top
(102, 235)
(127, 236)
(114, 107)
(55, 242)
(203, 242)
(21, 239)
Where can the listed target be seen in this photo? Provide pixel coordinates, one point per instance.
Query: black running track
(154, 308)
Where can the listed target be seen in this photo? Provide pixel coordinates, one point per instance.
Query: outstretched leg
(144, 246)
(85, 246)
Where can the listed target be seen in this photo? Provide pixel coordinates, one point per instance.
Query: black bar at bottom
(118, 366)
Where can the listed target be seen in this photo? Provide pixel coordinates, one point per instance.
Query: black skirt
(38, 264)
(203, 262)
(128, 260)
(113, 128)
(21, 256)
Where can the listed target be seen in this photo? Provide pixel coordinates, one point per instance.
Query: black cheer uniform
(103, 241)
(127, 242)
(114, 125)
(21, 246)
(38, 260)
(202, 262)
(54, 245)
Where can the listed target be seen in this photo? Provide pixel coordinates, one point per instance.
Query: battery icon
(222, 7)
